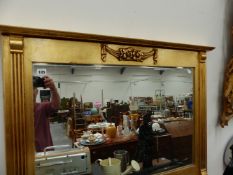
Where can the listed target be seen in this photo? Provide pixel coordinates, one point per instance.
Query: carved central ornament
(128, 54)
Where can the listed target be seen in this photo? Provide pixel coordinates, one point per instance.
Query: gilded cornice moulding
(74, 36)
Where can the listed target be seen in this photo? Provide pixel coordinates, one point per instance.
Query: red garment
(43, 136)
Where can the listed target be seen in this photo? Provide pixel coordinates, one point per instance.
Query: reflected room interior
(95, 99)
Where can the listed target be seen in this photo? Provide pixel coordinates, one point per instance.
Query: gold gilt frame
(23, 46)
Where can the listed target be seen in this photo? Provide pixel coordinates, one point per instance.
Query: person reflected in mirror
(42, 112)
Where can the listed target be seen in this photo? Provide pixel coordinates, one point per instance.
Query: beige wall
(194, 22)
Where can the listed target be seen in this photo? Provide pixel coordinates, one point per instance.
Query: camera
(38, 82)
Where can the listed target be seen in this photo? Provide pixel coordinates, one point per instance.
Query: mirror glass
(104, 107)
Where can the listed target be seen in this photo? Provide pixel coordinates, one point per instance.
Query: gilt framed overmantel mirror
(104, 83)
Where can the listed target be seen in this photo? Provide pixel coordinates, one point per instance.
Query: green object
(94, 111)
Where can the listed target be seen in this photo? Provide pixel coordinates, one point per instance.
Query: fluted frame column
(202, 112)
(18, 151)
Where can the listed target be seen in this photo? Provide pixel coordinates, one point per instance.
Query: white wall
(195, 22)
(89, 82)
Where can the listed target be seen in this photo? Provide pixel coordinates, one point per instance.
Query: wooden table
(177, 143)
(163, 146)
(182, 138)
(106, 149)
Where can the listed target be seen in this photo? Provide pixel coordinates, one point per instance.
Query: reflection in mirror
(105, 109)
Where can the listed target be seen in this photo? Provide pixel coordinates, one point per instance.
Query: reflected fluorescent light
(189, 71)
(97, 67)
(179, 67)
(162, 68)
